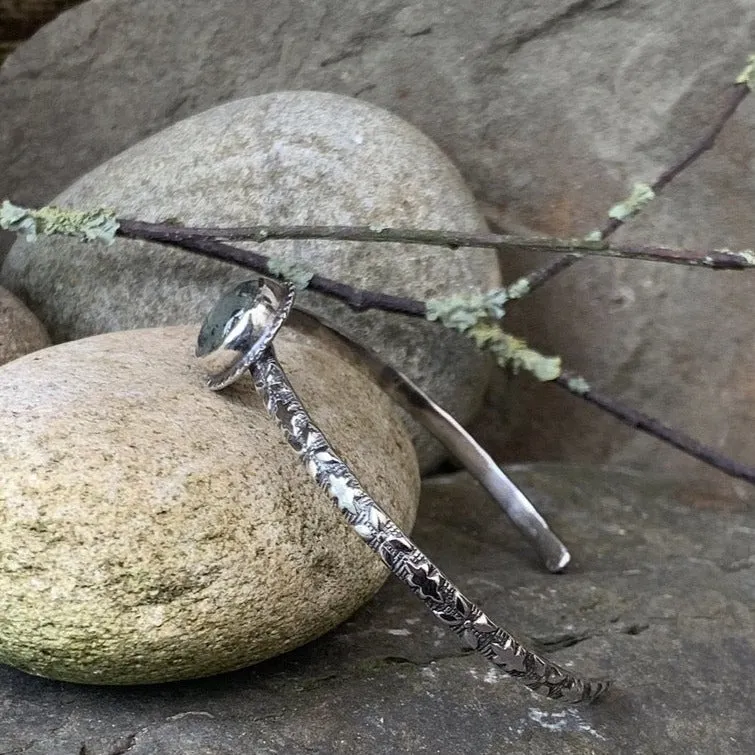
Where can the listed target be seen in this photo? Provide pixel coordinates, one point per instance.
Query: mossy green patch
(93, 225)
(642, 193)
(290, 272)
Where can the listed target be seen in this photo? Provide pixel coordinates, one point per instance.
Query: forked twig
(739, 92)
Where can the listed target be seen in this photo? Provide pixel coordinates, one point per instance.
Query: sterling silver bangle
(524, 516)
(238, 335)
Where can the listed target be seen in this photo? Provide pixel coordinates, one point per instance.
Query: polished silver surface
(454, 437)
(253, 317)
(241, 325)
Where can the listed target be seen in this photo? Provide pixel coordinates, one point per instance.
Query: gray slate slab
(659, 597)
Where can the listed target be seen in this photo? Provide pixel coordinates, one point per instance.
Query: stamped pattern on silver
(401, 555)
(238, 334)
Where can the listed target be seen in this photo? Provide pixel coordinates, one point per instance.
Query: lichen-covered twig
(511, 352)
(299, 276)
(475, 315)
(640, 197)
(747, 74)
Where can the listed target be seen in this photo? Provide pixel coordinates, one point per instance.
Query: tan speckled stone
(152, 530)
(20, 331)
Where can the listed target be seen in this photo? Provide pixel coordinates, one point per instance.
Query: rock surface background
(20, 18)
(152, 530)
(288, 157)
(20, 330)
(665, 613)
(551, 110)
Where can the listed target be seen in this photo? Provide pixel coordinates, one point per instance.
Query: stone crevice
(555, 23)
(550, 643)
(121, 748)
(372, 31)
(559, 642)
(419, 33)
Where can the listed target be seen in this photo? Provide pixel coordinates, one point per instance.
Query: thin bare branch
(358, 299)
(260, 234)
(737, 95)
(640, 421)
(717, 259)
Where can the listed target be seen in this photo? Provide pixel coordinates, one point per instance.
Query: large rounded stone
(551, 110)
(292, 157)
(20, 331)
(153, 530)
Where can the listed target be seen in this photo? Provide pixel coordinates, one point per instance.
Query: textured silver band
(525, 517)
(398, 551)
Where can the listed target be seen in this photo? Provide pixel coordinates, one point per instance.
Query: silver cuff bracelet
(238, 335)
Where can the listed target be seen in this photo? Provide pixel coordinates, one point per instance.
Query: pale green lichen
(518, 289)
(641, 194)
(521, 357)
(476, 316)
(747, 75)
(290, 272)
(594, 236)
(578, 385)
(94, 225)
(463, 311)
(509, 351)
(486, 335)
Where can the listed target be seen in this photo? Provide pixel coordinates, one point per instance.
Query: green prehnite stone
(224, 315)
